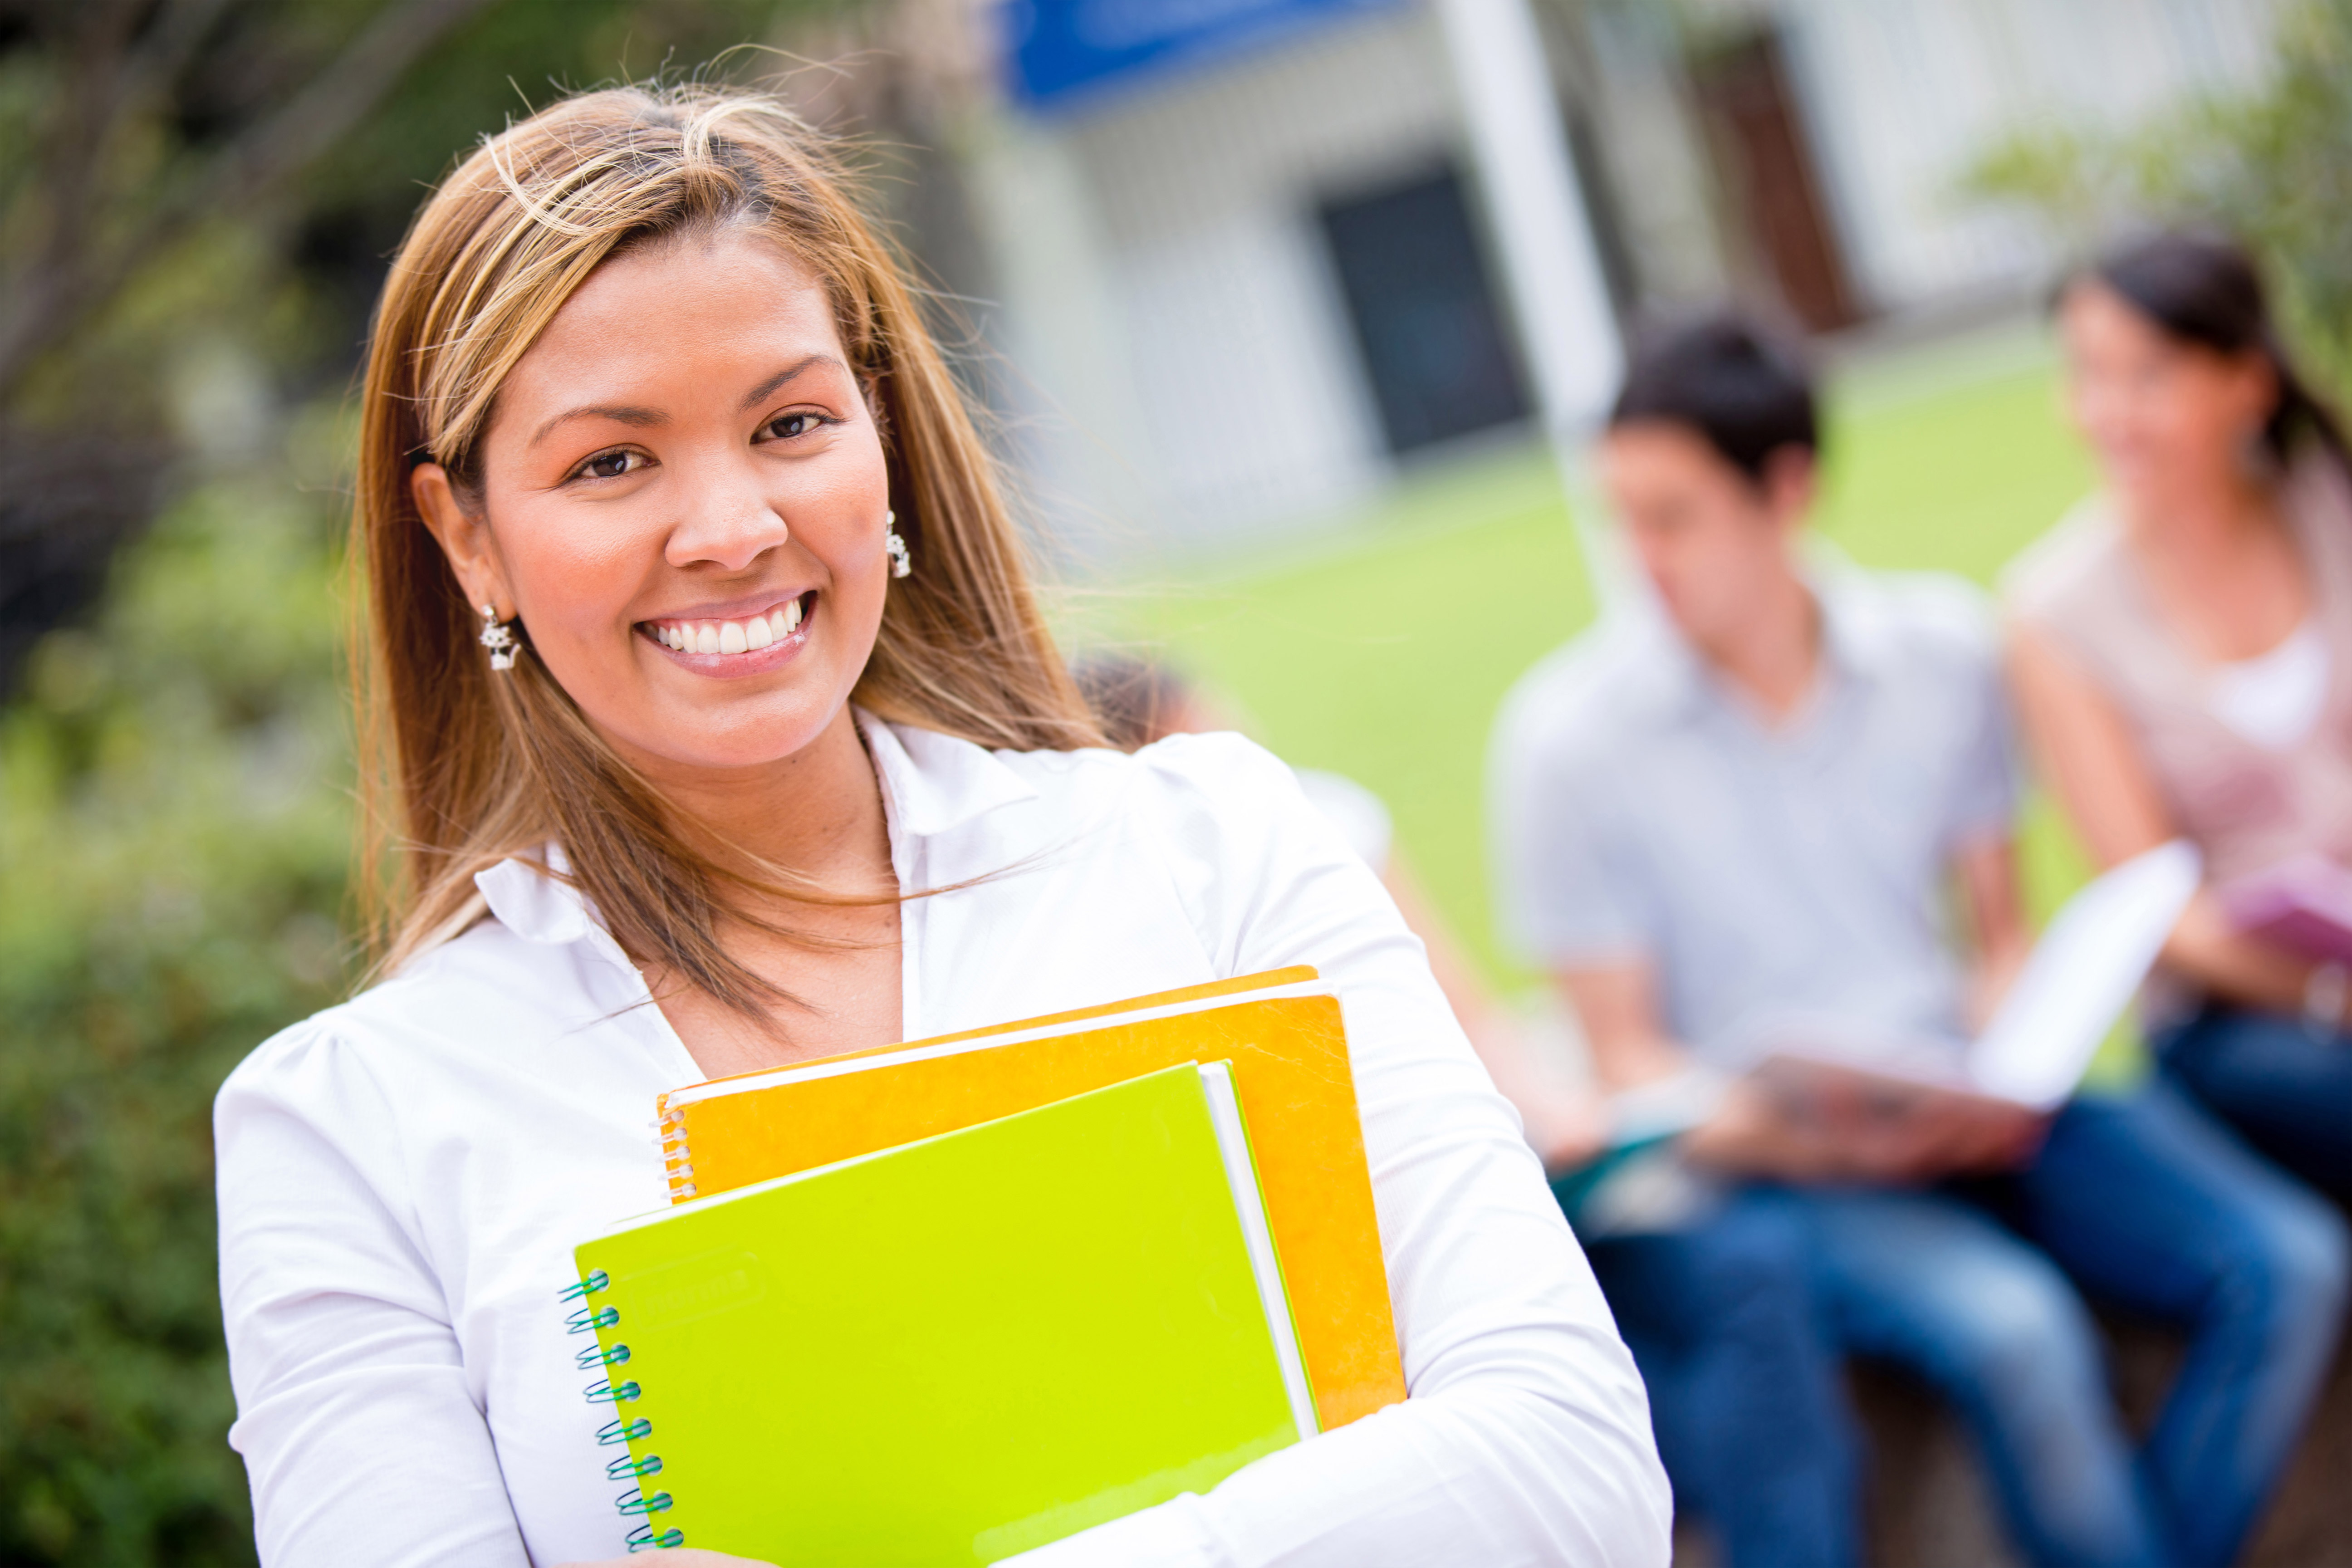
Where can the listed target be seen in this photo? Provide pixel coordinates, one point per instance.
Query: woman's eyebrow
(632, 414)
(760, 394)
(619, 412)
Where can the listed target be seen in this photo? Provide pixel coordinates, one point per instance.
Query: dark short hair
(1727, 379)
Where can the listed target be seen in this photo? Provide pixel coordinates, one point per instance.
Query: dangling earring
(499, 636)
(901, 564)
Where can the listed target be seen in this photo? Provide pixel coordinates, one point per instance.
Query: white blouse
(403, 1177)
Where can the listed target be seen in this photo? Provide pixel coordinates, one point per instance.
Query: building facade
(1238, 262)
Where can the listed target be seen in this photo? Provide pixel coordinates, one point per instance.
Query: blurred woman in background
(2181, 649)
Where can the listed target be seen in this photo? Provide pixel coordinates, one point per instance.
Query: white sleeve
(1525, 1440)
(361, 1437)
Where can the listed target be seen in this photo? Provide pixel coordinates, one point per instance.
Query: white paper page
(2082, 976)
(1241, 1174)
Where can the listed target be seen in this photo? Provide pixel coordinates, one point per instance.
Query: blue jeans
(2143, 1202)
(2289, 1094)
(1744, 1389)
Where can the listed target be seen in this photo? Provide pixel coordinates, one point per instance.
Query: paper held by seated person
(2303, 905)
(2081, 976)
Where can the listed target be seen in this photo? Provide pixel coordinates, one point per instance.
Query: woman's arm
(2093, 762)
(1527, 1437)
(1562, 1123)
(361, 1437)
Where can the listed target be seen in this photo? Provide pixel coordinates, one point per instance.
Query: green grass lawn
(1382, 652)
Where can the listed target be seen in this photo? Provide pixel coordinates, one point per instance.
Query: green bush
(174, 840)
(2273, 166)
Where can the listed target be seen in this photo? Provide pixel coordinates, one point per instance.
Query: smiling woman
(624, 315)
(717, 728)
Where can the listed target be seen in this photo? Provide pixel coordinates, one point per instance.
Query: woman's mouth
(745, 642)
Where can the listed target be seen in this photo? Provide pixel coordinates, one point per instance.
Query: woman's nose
(728, 521)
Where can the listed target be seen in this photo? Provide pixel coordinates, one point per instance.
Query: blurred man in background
(1718, 1311)
(1741, 809)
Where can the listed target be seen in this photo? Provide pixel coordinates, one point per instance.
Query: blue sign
(1069, 52)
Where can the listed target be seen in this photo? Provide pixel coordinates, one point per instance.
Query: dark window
(1433, 343)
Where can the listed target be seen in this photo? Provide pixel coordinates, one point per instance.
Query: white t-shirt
(2274, 699)
(403, 1177)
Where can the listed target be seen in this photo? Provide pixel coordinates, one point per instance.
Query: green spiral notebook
(955, 1350)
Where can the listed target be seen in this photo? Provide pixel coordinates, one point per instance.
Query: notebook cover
(2303, 905)
(951, 1352)
(1289, 1055)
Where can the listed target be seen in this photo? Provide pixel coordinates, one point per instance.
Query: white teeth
(732, 637)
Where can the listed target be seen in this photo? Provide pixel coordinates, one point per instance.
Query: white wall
(1900, 96)
(1250, 402)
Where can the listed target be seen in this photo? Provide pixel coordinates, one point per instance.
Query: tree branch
(58, 294)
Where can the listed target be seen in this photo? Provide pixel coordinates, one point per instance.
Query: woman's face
(2161, 416)
(683, 499)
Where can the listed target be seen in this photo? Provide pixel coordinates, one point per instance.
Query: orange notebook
(1283, 1035)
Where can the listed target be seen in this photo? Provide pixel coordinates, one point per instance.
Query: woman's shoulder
(2073, 569)
(1215, 810)
(1227, 777)
(401, 1036)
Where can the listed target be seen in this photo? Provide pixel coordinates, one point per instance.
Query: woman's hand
(676, 1557)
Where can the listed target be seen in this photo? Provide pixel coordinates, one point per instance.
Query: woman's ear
(2256, 391)
(463, 535)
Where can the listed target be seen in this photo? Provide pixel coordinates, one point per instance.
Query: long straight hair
(462, 768)
(2203, 287)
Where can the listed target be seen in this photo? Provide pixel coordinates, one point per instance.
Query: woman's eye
(611, 464)
(785, 427)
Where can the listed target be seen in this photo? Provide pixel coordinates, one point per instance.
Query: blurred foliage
(173, 840)
(140, 141)
(2273, 166)
(174, 813)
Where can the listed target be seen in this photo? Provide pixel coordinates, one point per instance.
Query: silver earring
(499, 636)
(901, 564)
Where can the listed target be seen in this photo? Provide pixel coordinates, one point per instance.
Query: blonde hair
(464, 768)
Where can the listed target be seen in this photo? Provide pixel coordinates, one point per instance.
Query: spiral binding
(633, 1430)
(675, 1158)
(588, 1320)
(637, 1502)
(594, 1282)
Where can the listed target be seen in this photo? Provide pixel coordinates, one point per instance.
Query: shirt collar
(1850, 636)
(930, 782)
(535, 905)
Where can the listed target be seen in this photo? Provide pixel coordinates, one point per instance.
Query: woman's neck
(2221, 564)
(2210, 517)
(816, 814)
